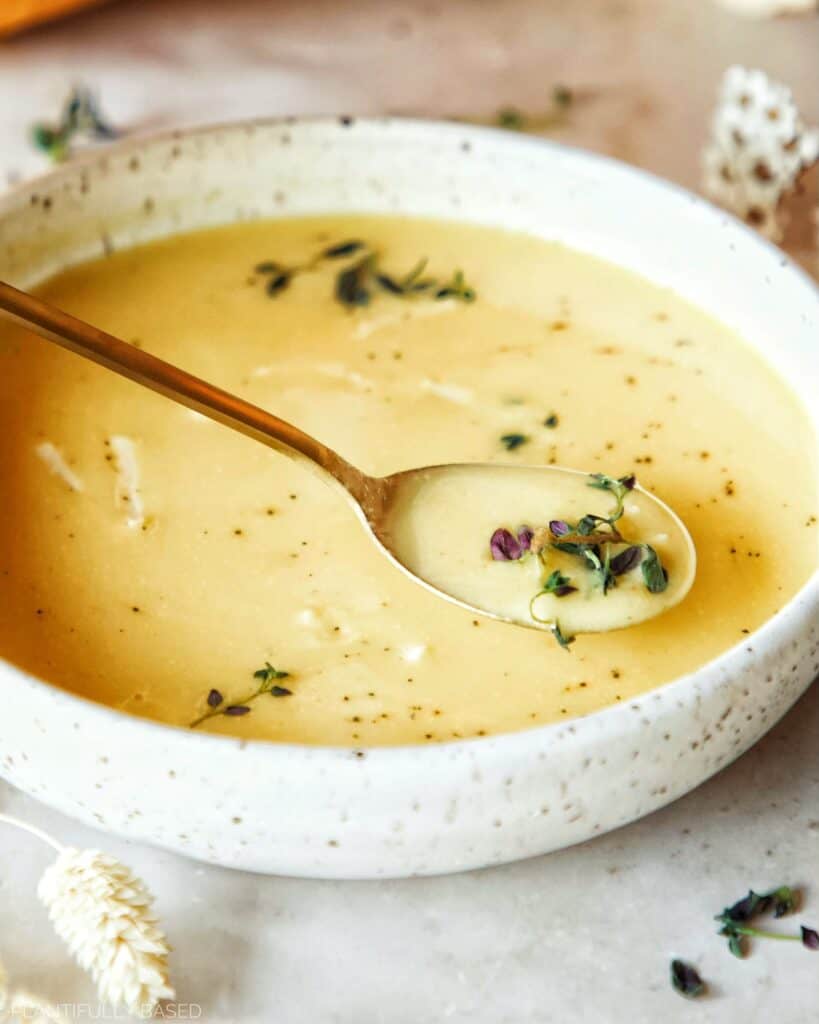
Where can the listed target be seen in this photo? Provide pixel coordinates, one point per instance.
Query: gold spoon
(435, 523)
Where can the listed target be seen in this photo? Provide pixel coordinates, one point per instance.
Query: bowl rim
(613, 719)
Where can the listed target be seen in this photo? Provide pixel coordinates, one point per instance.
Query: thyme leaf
(686, 979)
(558, 584)
(511, 119)
(512, 441)
(389, 284)
(654, 575)
(268, 676)
(561, 637)
(784, 900)
(515, 120)
(504, 546)
(456, 288)
(626, 560)
(278, 282)
(80, 116)
(352, 284)
(335, 252)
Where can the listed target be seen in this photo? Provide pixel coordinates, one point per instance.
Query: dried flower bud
(759, 147)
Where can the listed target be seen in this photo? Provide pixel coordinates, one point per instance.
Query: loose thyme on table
(363, 276)
(80, 117)
(593, 539)
(736, 927)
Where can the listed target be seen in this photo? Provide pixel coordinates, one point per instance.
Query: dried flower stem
(103, 913)
(7, 819)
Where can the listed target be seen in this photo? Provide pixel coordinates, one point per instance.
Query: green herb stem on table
(80, 116)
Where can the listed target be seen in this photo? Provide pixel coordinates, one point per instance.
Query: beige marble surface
(586, 934)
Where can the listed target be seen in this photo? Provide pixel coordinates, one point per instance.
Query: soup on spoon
(591, 553)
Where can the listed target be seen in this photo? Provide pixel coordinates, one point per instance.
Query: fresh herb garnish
(343, 249)
(686, 979)
(278, 282)
(504, 546)
(735, 920)
(561, 586)
(654, 575)
(736, 927)
(352, 284)
(80, 117)
(267, 683)
(356, 283)
(560, 636)
(626, 560)
(593, 538)
(558, 584)
(513, 119)
(618, 487)
(410, 284)
(456, 288)
(600, 565)
(512, 441)
(266, 267)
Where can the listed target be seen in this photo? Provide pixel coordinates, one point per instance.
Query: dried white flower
(104, 915)
(759, 147)
(103, 912)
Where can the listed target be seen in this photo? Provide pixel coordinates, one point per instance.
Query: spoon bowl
(437, 523)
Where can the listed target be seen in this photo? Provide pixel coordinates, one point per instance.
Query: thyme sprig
(735, 926)
(592, 539)
(80, 117)
(514, 119)
(561, 586)
(267, 677)
(363, 275)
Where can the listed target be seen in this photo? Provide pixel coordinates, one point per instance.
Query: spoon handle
(77, 336)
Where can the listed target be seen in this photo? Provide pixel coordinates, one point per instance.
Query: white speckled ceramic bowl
(410, 810)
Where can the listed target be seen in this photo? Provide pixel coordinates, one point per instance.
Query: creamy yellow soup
(156, 562)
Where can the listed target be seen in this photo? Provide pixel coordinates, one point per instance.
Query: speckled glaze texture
(346, 813)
